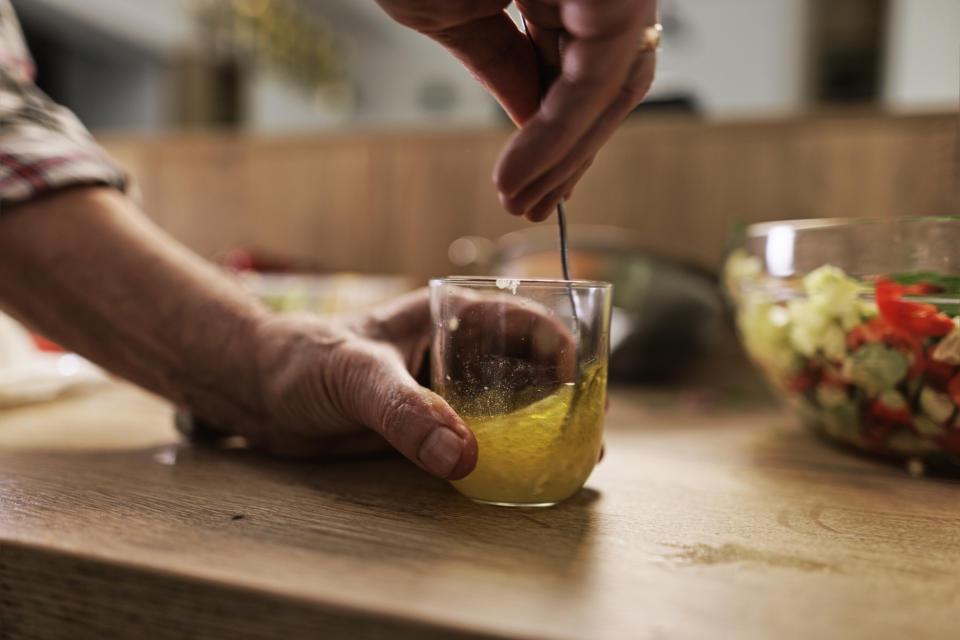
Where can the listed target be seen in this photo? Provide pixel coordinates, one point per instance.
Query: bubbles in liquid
(542, 452)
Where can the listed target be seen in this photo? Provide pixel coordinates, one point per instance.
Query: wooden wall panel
(392, 202)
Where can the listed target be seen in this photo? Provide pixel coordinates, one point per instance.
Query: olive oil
(541, 453)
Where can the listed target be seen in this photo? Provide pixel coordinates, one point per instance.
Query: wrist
(219, 379)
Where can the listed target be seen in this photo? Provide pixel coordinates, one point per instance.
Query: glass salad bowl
(855, 324)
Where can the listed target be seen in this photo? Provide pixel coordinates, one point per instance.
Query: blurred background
(295, 65)
(318, 130)
(316, 135)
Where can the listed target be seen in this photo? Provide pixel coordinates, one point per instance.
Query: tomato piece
(937, 372)
(915, 318)
(915, 354)
(877, 428)
(832, 379)
(950, 442)
(802, 381)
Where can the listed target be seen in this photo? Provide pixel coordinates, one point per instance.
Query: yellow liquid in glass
(541, 453)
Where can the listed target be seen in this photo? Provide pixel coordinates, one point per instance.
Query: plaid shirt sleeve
(43, 146)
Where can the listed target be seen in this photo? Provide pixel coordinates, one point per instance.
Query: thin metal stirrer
(564, 257)
(561, 219)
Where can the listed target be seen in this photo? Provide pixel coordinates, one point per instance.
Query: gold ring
(651, 38)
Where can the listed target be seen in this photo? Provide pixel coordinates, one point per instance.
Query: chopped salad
(873, 362)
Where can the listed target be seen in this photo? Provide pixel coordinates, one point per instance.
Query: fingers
(538, 206)
(577, 98)
(415, 421)
(501, 58)
(540, 197)
(603, 78)
(405, 323)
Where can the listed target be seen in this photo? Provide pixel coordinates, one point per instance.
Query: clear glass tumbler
(524, 363)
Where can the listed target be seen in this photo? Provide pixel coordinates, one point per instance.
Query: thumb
(414, 420)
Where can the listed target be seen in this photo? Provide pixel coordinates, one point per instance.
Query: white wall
(391, 66)
(114, 67)
(739, 57)
(923, 65)
(161, 26)
(131, 96)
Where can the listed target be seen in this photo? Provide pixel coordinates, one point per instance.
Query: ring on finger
(650, 38)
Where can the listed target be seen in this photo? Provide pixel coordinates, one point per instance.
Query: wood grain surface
(393, 201)
(709, 518)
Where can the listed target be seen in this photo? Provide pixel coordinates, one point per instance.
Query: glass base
(516, 505)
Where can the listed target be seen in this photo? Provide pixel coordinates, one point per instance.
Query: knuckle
(516, 205)
(396, 412)
(507, 181)
(560, 125)
(640, 80)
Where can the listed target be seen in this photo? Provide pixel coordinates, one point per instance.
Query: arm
(86, 268)
(82, 264)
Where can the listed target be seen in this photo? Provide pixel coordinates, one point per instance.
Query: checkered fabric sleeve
(43, 146)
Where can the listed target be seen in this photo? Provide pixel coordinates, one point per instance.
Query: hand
(346, 386)
(592, 48)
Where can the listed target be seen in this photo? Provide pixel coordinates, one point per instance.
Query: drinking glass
(524, 363)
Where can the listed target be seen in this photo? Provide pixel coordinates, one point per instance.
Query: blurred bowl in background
(288, 283)
(666, 315)
(855, 322)
(324, 293)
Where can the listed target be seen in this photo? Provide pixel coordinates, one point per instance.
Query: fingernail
(440, 451)
(507, 205)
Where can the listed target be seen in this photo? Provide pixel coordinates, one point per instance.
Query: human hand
(591, 46)
(346, 386)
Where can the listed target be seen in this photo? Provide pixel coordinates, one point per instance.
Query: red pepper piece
(921, 289)
(800, 382)
(868, 332)
(914, 318)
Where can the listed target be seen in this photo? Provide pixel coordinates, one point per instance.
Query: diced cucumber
(843, 421)
(948, 350)
(937, 406)
(875, 368)
(764, 329)
(908, 443)
(927, 427)
(893, 399)
(830, 396)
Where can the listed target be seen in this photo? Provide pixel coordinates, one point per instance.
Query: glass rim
(760, 229)
(508, 283)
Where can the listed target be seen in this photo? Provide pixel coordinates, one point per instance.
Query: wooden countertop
(703, 521)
